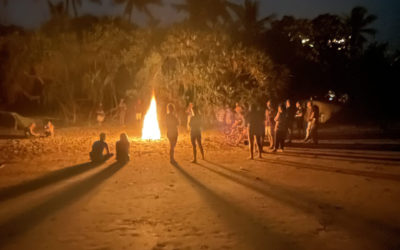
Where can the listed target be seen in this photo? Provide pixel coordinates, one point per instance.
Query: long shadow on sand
(327, 214)
(24, 221)
(53, 177)
(256, 235)
(361, 173)
(354, 146)
(382, 160)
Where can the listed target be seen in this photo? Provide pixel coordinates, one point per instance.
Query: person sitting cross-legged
(122, 148)
(98, 147)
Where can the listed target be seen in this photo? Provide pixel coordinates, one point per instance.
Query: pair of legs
(259, 140)
(172, 143)
(280, 139)
(312, 132)
(196, 138)
(269, 130)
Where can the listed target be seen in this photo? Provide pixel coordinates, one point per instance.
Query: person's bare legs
(172, 144)
(193, 140)
(251, 146)
(259, 144)
(200, 147)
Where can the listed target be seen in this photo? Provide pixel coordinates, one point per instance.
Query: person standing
(255, 126)
(290, 113)
(280, 129)
(122, 112)
(228, 116)
(139, 112)
(172, 130)
(299, 117)
(189, 114)
(195, 133)
(270, 124)
(309, 117)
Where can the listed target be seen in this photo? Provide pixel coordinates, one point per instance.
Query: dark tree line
(326, 53)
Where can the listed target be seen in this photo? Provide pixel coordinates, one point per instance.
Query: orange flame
(151, 129)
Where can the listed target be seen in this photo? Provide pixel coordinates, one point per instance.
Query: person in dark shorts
(299, 116)
(122, 148)
(290, 114)
(98, 147)
(255, 126)
(280, 129)
(172, 130)
(195, 133)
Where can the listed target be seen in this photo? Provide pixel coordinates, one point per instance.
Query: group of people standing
(133, 112)
(279, 125)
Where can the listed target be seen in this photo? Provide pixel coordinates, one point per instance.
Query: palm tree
(141, 5)
(200, 12)
(358, 24)
(248, 22)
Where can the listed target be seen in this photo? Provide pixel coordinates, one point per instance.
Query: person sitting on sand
(122, 148)
(98, 147)
(195, 133)
(49, 129)
(30, 130)
(172, 130)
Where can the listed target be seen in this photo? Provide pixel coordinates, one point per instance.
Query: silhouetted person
(49, 129)
(228, 116)
(172, 130)
(122, 148)
(255, 126)
(122, 108)
(98, 147)
(290, 114)
(312, 120)
(299, 116)
(195, 125)
(30, 130)
(312, 126)
(280, 129)
(139, 112)
(100, 114)
(270, 124)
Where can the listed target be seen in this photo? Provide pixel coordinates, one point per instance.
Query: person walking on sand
(122, 148)
(255, 126)
(98, 147)
(172, 130)
(195, 133)
(280, 129)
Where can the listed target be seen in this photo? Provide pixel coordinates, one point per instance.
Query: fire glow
(151, 129)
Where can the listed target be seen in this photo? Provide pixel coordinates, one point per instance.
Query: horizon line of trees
(327, 53)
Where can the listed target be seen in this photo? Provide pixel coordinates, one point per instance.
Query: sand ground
(305, 198)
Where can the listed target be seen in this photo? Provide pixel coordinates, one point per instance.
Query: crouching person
(98, 147)
(122, 148)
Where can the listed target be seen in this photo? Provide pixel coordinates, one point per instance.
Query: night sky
(31, 13)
